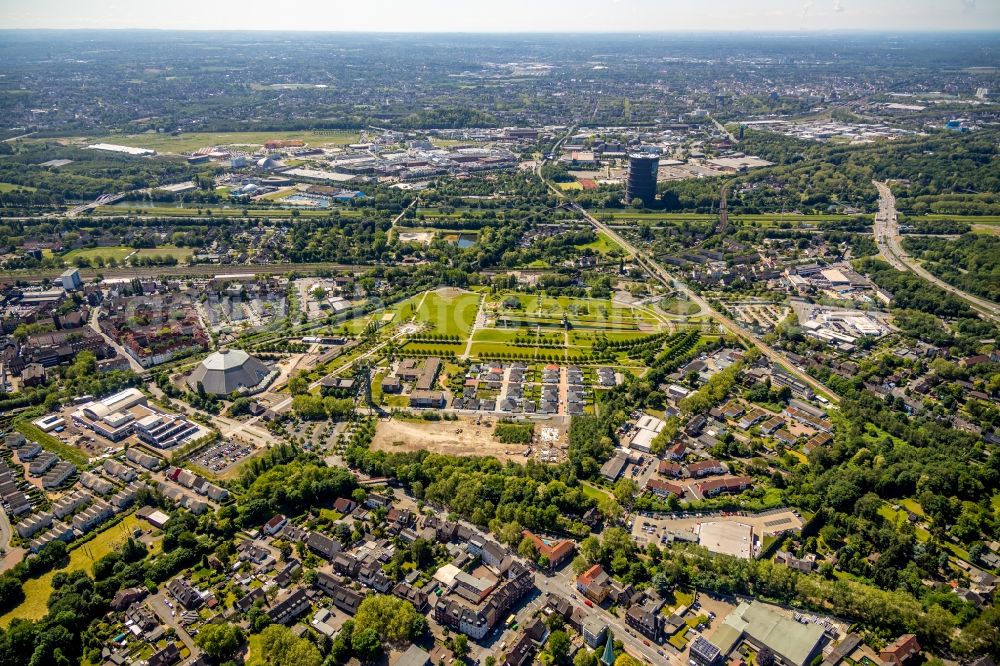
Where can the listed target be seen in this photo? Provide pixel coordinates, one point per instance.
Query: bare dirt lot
(458, 438)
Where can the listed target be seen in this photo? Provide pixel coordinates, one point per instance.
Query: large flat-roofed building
(728, 538)
(110, 417)
(793, 644)
(128, 412)
(642, 172)
(165, 430)
(229, 371)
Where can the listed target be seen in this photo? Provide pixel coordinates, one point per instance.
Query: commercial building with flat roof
(794, 644)
(127, 412)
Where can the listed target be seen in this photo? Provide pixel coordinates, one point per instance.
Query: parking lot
(221, 456)
(647, 528)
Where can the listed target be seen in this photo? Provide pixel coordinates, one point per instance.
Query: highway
(735, 329)
(891, 249)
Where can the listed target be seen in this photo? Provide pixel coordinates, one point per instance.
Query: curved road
(888, 240)
(96, 326)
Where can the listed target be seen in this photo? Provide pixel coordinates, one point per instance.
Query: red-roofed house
(664, 488)
(715, 486)
(275, 525)
(902, 649)
(670, 469)
(594, 583)
(556, 550)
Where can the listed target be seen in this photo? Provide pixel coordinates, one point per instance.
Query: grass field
(10, 187)
(449, 311)
(900, 517)
(570, 186)
(678, 306)
(498, 334)
(38, 590)
(603, 245)
(593, 492)
(119, 253)
(187, 142)
(52, 444)
(985, 220)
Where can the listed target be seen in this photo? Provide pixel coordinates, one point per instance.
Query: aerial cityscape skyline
(516, 15)
(601, 333)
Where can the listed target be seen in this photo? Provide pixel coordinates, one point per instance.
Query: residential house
(900, 651)
(291, 607)
(594, 583)
(184, 593)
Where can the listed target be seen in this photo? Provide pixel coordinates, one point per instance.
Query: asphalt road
(890, 247)
(158, 603)
(95, 325)
(5, 530)
(564, 584)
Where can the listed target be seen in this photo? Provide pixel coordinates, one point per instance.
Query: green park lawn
(449, 312)
(603, 244)
(119, 253)
(498, 334)
(10, 187)
(540, 308)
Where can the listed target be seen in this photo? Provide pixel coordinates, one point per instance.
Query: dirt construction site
(458, 438)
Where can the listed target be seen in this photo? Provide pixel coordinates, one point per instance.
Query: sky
(632, 16)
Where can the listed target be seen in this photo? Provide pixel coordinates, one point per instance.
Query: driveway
(159, 606)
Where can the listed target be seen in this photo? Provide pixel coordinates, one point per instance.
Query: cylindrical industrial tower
(642, 168)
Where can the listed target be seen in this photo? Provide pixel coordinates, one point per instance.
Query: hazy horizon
(513, 16)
